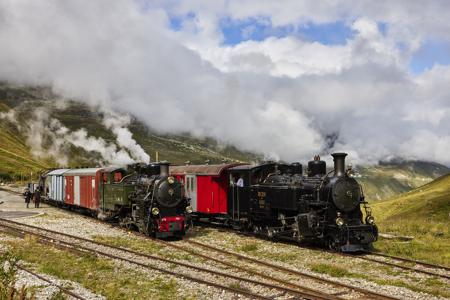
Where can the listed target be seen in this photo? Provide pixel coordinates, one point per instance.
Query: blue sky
(431, 52)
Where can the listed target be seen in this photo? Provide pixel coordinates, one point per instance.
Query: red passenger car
(206, 186)
(82, 187)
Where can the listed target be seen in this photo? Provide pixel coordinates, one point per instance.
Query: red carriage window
(117, 176)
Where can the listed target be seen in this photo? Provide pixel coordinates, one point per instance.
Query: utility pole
(156, 156)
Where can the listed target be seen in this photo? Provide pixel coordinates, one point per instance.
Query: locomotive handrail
(126, 176)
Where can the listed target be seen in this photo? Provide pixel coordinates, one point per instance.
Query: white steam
(49, 138)
(286, 97)
(119, 126)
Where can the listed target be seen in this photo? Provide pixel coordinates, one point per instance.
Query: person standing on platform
(37, 197)
(27, 194)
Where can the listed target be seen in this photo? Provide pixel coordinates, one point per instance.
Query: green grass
(146, 246)
(96, 274)
(388, 180)
(423, 213)
(239, 287)
(430, 286)
(333, 270)
(248, 247)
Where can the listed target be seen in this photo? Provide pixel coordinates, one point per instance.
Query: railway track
(61, 288)
(363, 293)
(366, 293)
(396, 261)
(297, 293)
(400, 260)
(312, 292)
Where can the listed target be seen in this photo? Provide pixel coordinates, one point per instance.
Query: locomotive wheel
(333, 244)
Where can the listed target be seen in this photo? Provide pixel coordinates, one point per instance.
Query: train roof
(57, 172)
(113, 168)
(211, 170)
(249, 167)
(86, 171)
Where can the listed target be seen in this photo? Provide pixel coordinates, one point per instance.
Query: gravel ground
(299, 257)
(45, 290)
(296, 258)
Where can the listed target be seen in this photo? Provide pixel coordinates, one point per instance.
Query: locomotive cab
(240, 196)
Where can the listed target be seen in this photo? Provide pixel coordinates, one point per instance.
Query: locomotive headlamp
(339, 221)
(370, 220)
(170, 179)
(155, 211)
(189, 209)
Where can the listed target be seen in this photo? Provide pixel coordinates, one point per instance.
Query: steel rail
(63, 289)
(295, 272)
(148, 266)
(418, 262)
(303, 294)
(60, 287)
(399, 266)
(368, 258)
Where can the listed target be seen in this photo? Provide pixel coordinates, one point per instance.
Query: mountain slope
(389, 179)
(18, 109)
(423, 213)
(15, 155)
(33, 106)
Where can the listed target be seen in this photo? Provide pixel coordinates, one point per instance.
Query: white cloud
(281, 96)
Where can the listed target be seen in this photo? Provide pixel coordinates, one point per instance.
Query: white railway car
(56, 184)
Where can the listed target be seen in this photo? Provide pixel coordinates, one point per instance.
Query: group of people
(36, 197)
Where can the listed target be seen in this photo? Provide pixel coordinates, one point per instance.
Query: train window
(117, 176)
(105, 177)
(257, 177)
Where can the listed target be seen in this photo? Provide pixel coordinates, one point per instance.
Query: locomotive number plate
(262, 200)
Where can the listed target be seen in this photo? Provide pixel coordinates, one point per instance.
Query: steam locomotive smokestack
(164, 168)
(339, 164)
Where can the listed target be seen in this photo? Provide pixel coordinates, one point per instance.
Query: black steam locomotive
(141, 196)
(285, 204)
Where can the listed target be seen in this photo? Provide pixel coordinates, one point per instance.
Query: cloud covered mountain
(283, 95)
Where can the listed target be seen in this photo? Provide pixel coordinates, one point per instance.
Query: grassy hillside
(389, 179)
(423, 213)
(16, 157)
(379, 182)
